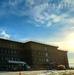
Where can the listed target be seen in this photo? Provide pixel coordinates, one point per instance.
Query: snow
(45, 72)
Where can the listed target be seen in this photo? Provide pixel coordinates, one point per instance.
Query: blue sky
(50, 21)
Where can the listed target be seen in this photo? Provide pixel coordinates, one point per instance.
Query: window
(15, 52)
(39, 53)
(36, 65)
(11, 45)
(47, 60)
(46, 54)
(2, 58)
(43, 53)
(15, 59)
(35, 59)
(2, 51)
(8, 51)
(5, 51)
(18, 59)
(45, 48)
(11, 58)
(12, 52)
(6, 58)
(39, 59)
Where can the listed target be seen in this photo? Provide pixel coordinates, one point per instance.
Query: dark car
(61, 67)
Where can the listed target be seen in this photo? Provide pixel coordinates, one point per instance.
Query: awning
(16, 62)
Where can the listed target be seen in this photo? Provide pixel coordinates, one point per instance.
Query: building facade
(36, 55)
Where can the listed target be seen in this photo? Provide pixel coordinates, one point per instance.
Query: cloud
(49, 24)
(4, 35)
(68, 2)
(37, 25)
(13, 7)
(38, 10)
(71, 60)
(30, 2)
(65, 41)
(60, 13)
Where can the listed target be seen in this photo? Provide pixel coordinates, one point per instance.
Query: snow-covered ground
(46, 72)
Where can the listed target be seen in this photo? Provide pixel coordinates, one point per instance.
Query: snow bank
(46, 72)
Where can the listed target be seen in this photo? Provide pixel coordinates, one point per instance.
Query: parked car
(61, 67)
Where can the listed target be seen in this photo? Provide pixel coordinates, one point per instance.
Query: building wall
(35, 54)
(44, 54)
(10, 50)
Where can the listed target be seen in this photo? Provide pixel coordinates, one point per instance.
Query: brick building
(36, 55)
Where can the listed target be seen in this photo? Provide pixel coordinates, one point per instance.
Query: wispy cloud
(49, 24)
(60, 13)
(38, 10)
(30, 2)
(4, 35)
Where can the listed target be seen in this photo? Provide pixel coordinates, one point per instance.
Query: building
(34, 54)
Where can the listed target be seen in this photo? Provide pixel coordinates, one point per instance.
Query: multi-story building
(36, 55)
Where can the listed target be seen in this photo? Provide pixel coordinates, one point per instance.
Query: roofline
(41, 43)
(10, 40)
(15, 41)
(62, 50)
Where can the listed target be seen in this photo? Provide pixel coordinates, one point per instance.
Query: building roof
(41, 43)
(9, 40)
(28, 42)
(38, 42)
